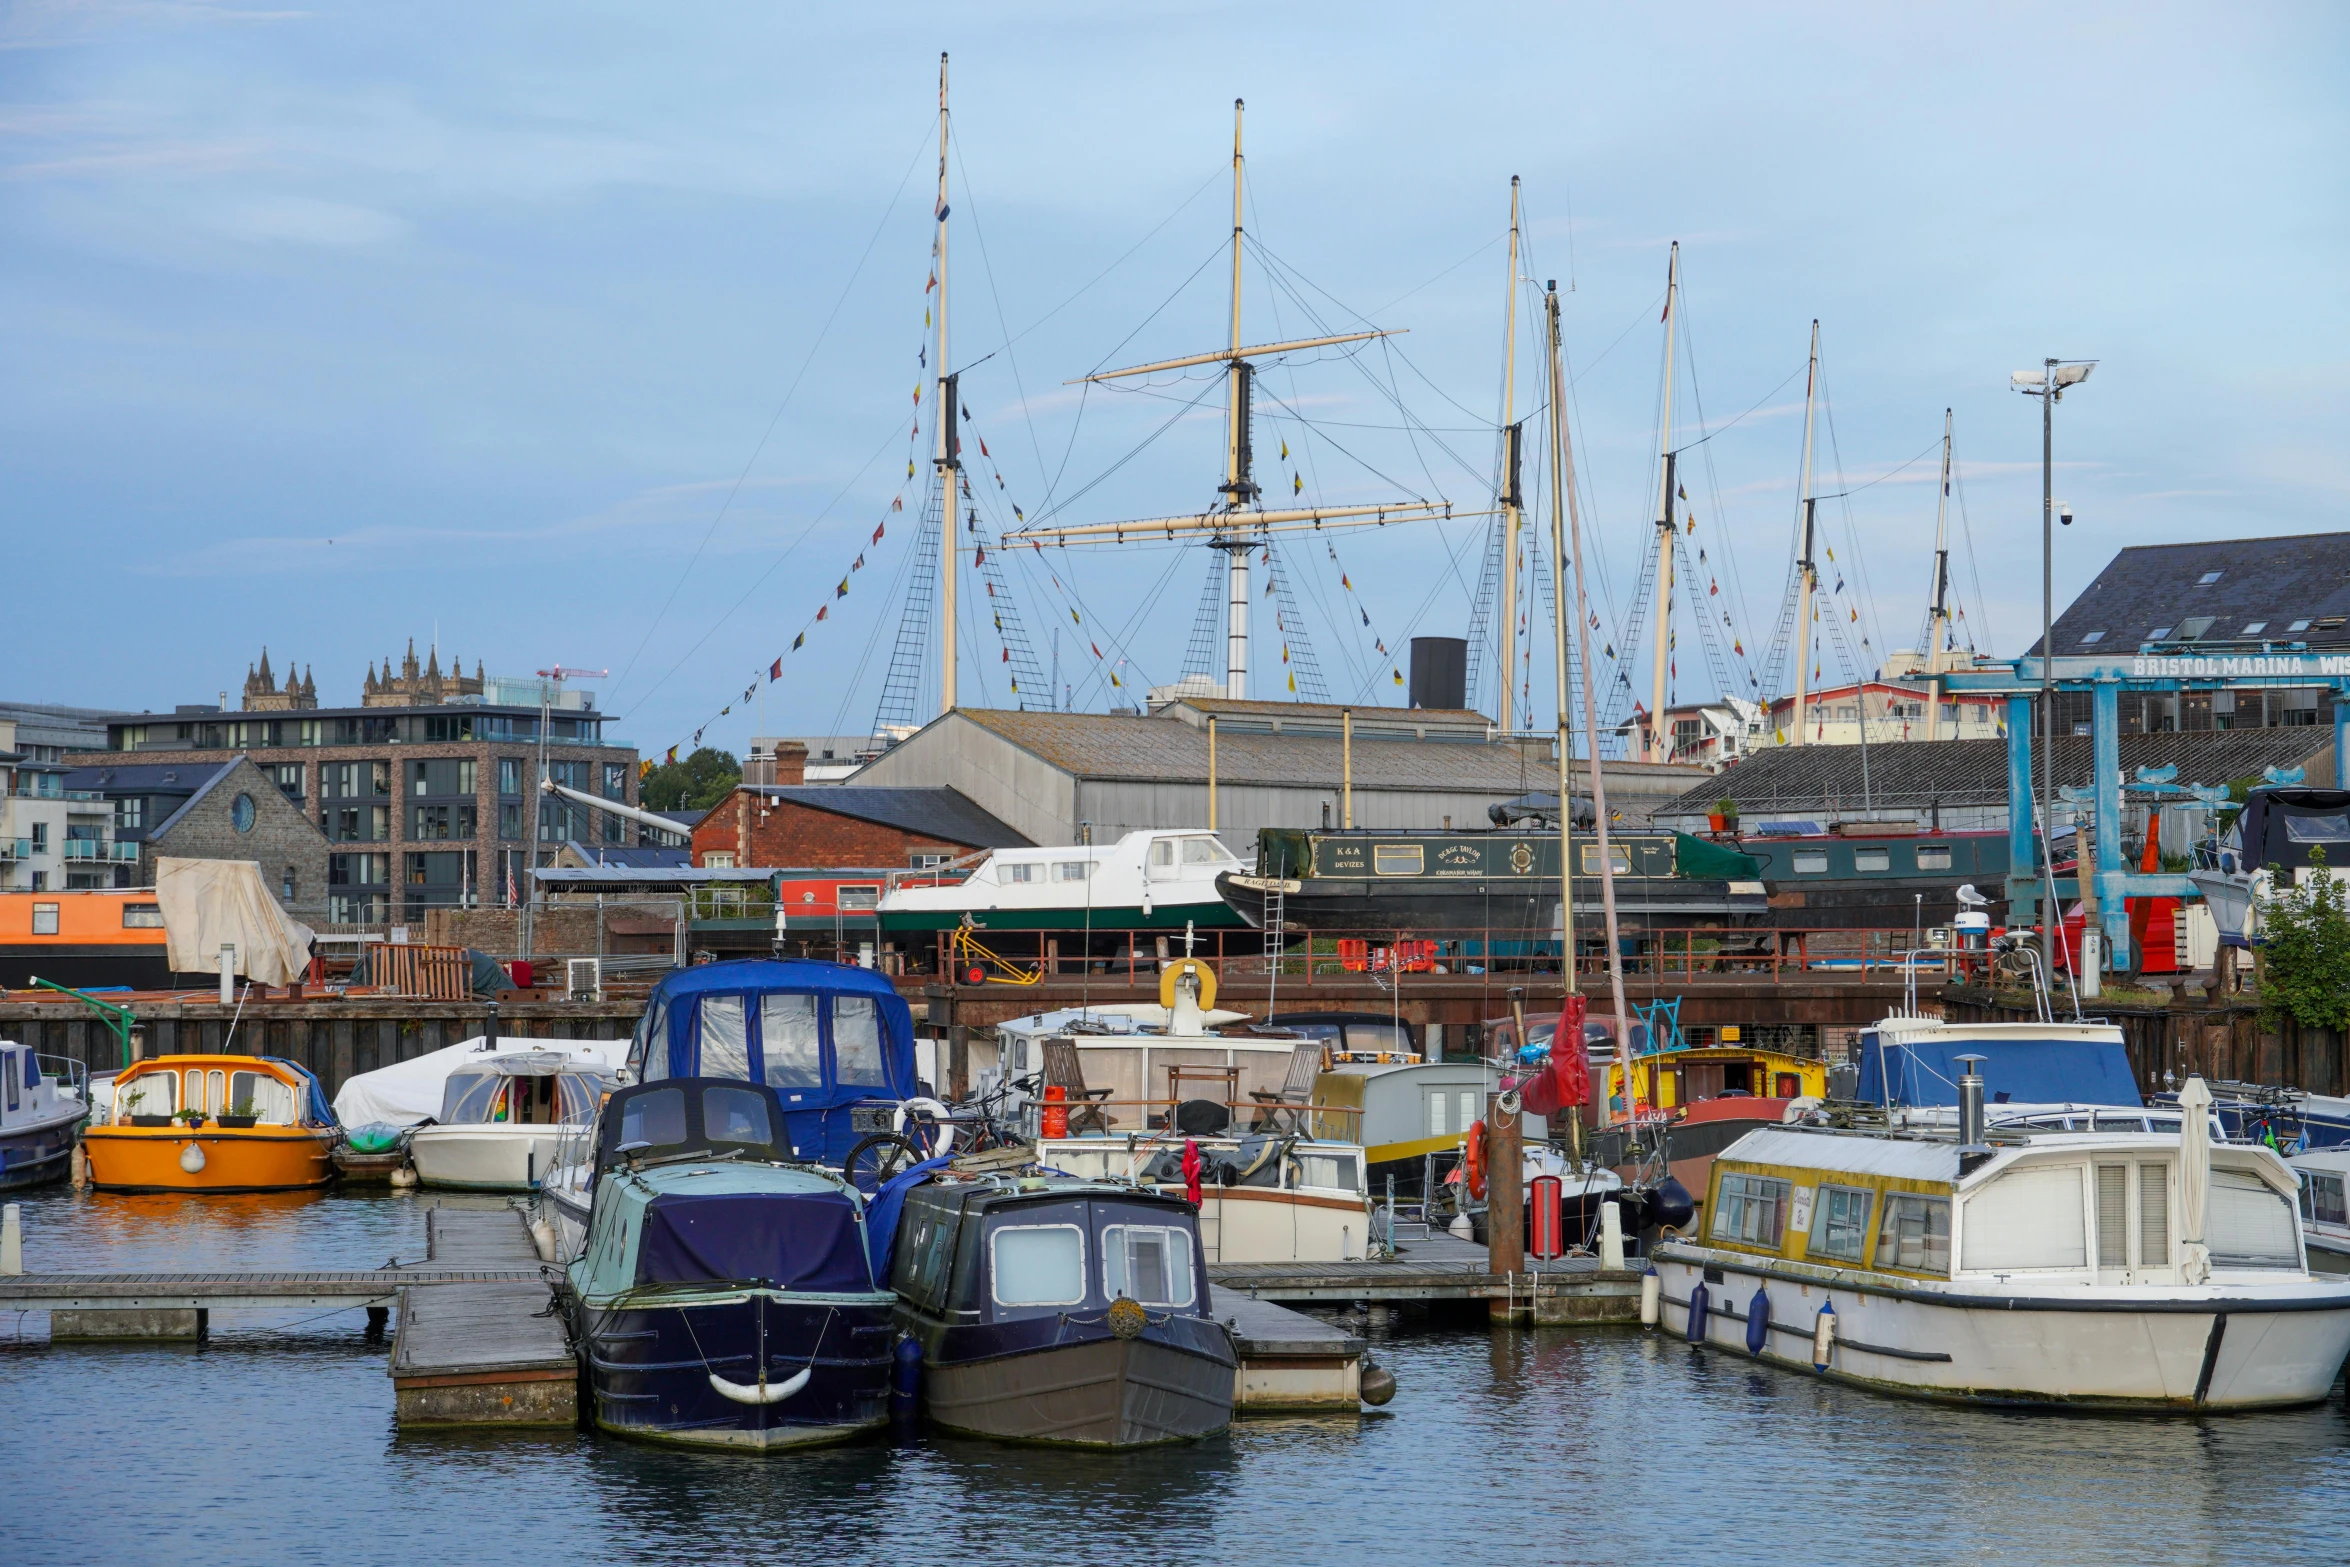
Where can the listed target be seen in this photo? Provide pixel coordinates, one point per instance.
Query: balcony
(93, 849)
(12, 849)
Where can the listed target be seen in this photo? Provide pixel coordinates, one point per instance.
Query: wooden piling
(1505, 1198)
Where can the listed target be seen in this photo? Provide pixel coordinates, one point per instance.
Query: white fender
(940, 1113)
(192, 1158)
(772, 1393)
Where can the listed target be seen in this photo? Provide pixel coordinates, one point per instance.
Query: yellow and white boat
(200, 1123)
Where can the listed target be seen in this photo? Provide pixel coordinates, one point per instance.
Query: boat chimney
(1970, 1101)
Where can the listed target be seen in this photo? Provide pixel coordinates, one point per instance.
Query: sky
(589, 334)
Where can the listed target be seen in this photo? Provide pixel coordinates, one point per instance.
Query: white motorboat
(2276, 831)
(413, 1091)
(1264, 1197)
(2014, 1266)
(1145, 881)
(41, 1105)
(2325, 1212)
(503, 1118)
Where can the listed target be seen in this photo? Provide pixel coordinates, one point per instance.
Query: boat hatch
(682, 1117)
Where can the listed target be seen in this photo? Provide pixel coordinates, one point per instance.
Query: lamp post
(2048, 383)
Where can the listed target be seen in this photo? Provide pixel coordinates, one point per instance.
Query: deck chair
(1278, 1112)
(1064, 1071)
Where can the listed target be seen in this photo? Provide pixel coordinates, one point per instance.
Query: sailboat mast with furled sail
(1237, 524)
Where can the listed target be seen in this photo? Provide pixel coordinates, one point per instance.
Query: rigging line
(1860, 558)
(712, 629)
(1932, 447)
(1275, 399)
(1155, 313)
(1733, 424)
(1725, 538)
(1214, 174)
(849, 687)
(1044, 512)
(988, 266)
(769, 433)
(1425, 604)
(1441, 276)
(1974, 569)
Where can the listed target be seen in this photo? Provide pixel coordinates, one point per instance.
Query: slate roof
(141, 777)
(615, 855)
(941, 812)
(1920, 773)
(202, 789)
(2270, 582)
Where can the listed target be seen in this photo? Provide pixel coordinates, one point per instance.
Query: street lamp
(2048, 383)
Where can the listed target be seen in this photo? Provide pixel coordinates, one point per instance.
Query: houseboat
(84, 937)
(727, 1295)
(213, 1123)
(503, 1118)
(2084, 1270)
(1064, 1311)
(42, 1105)
(1147, 880)
(1870, 874)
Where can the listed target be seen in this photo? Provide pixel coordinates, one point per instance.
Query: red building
(841, 826)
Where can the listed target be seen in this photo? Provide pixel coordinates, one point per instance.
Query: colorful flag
(927, 287)
(982, 559)
(859, 563)
(842, 591)
(798, 640)
(1346, 582)
(1398, 675)
(1366, 614)
(775, 670)
(1020, 516)
(1296, 484)
(823, 610)
(671, 758)
(644, 769)
(982, 440)
(1285, 451)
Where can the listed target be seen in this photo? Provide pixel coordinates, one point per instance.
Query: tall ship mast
(1805, 570)
(1660, 743)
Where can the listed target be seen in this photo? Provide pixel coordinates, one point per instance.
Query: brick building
(425, 792)
(841, 826)
(238, 813)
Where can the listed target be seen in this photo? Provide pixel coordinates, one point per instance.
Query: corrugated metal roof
(941, 812)
(2159, 587)
(1918, 773)
(1902, 1160)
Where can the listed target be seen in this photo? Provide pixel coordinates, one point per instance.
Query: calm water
(275, 1444)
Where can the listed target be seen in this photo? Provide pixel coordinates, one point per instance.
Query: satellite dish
(1971, 898)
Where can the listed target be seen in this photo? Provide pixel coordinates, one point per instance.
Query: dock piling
(11, 1239)
(1505, 1204)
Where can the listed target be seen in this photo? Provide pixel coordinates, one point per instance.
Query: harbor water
(274, 1442)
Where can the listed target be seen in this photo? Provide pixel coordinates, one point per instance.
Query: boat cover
(408, 1092)
(209, 903)
(1700, 860)
(1918, 1070)
(2281, 826)
(788, 1240)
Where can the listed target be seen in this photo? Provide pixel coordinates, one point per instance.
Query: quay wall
(2225, 1041)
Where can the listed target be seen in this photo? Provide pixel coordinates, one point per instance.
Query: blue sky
(588, 333)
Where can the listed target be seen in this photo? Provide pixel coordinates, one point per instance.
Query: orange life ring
(1473, 1162)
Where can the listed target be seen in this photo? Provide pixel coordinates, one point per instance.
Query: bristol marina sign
(2245, 666)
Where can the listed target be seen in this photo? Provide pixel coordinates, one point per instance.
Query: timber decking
(1439, 1267)
(483, 1353)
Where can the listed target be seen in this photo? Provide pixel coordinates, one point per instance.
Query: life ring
(1473, 1162)
(940, 1119)
(1199, 971)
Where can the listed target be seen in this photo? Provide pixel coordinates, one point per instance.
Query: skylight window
(2298, 625)
(2091, 637)
(2207, 579)
(2194, 626)
(2158, 633)
(2253, 628)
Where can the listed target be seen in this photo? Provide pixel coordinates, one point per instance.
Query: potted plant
(131, 1109)
(194, 1118)
(1724, 816)
(241, 1115)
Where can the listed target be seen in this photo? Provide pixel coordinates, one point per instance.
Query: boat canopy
(410, 1091)
(2024, 1063)
(793, 1240)
(2281, 826)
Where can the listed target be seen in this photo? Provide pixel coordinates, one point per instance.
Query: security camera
(2064, 514)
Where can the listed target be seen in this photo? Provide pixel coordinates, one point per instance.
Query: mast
(1660, 744)
(1558, 626)
(1803, 558)
(942, 419)
(1237, 489)
(1512, 502)
(1938, 626)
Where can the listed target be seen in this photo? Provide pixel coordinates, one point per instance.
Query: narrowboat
(1871, 876)
(1264, 1196)
(1995, 1265)
(1064, 1311)
(82, 937)
(727, 1296)
(503, 1119)
(206, 1123)
(1493, 886)
(835, 1042)
(42, 1105)
(1147, 880)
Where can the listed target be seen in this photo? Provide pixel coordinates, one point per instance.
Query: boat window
(649, 1051)
(1398, 859)
(787, 1038)
(657, 1120)
(1022, 871)
(1335, 1171)
(1872, 859)
(736, 1115)
(2154, 1216)
(466, 1097)
(1811, 862)
(925, 1252)
(1038, 1265)
(1915, 1233)
(1752, 1210)
(207, 1091)
(1163, 852)
(2113, 1216)
(8, 1069)
(1842, 1230)
(2251, 1224)
(1619, 858)
(857, 1060)
(1436, 1109)
(1203, 851)
(581, 1092)
(2322, 1198)
(849, 896)
(2027, 1219)
(1150, 1265)
(151, 1093)
(1933, 856)
(142, 916)
(1072, 870)
(2318, 829)
(258, 1093)
(725, 1043)
(1376, 1036)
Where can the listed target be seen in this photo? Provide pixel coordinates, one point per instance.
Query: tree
(695, 784)
(2305, 961)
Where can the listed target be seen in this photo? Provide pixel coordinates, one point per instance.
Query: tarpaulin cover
(789, 1240)
(209, 903)
(1699, 860)
(1925, 1071)
(883, 1208)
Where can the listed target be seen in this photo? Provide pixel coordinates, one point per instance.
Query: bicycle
(924, 1129)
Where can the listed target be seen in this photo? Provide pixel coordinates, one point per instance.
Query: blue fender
(1700, 1303)
(905, 1379)
(1758, 1321)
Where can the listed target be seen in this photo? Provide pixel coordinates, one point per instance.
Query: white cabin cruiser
(2011, 1266)
(2325, 1211)
(41, 1107)
(503, 1119)
(1144, 881)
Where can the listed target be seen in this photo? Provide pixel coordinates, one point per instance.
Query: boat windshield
(550, 1099)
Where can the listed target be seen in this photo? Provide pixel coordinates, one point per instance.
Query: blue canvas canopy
(808, 1241)
(827, 1037)
(2059, 1066)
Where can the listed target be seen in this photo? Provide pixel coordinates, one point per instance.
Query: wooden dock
(483, 1353)
(1290, 1362)
(1443, 1268)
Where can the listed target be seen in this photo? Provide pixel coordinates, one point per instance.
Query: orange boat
(213, 1124)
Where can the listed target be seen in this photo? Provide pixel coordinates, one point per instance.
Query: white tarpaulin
(208, 904)
(407, 1092)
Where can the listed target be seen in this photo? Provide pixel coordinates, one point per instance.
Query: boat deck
(483, 1353)
(1443, 1267)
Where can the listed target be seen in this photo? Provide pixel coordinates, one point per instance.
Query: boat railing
(74, 1074)
(1154, 1118)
